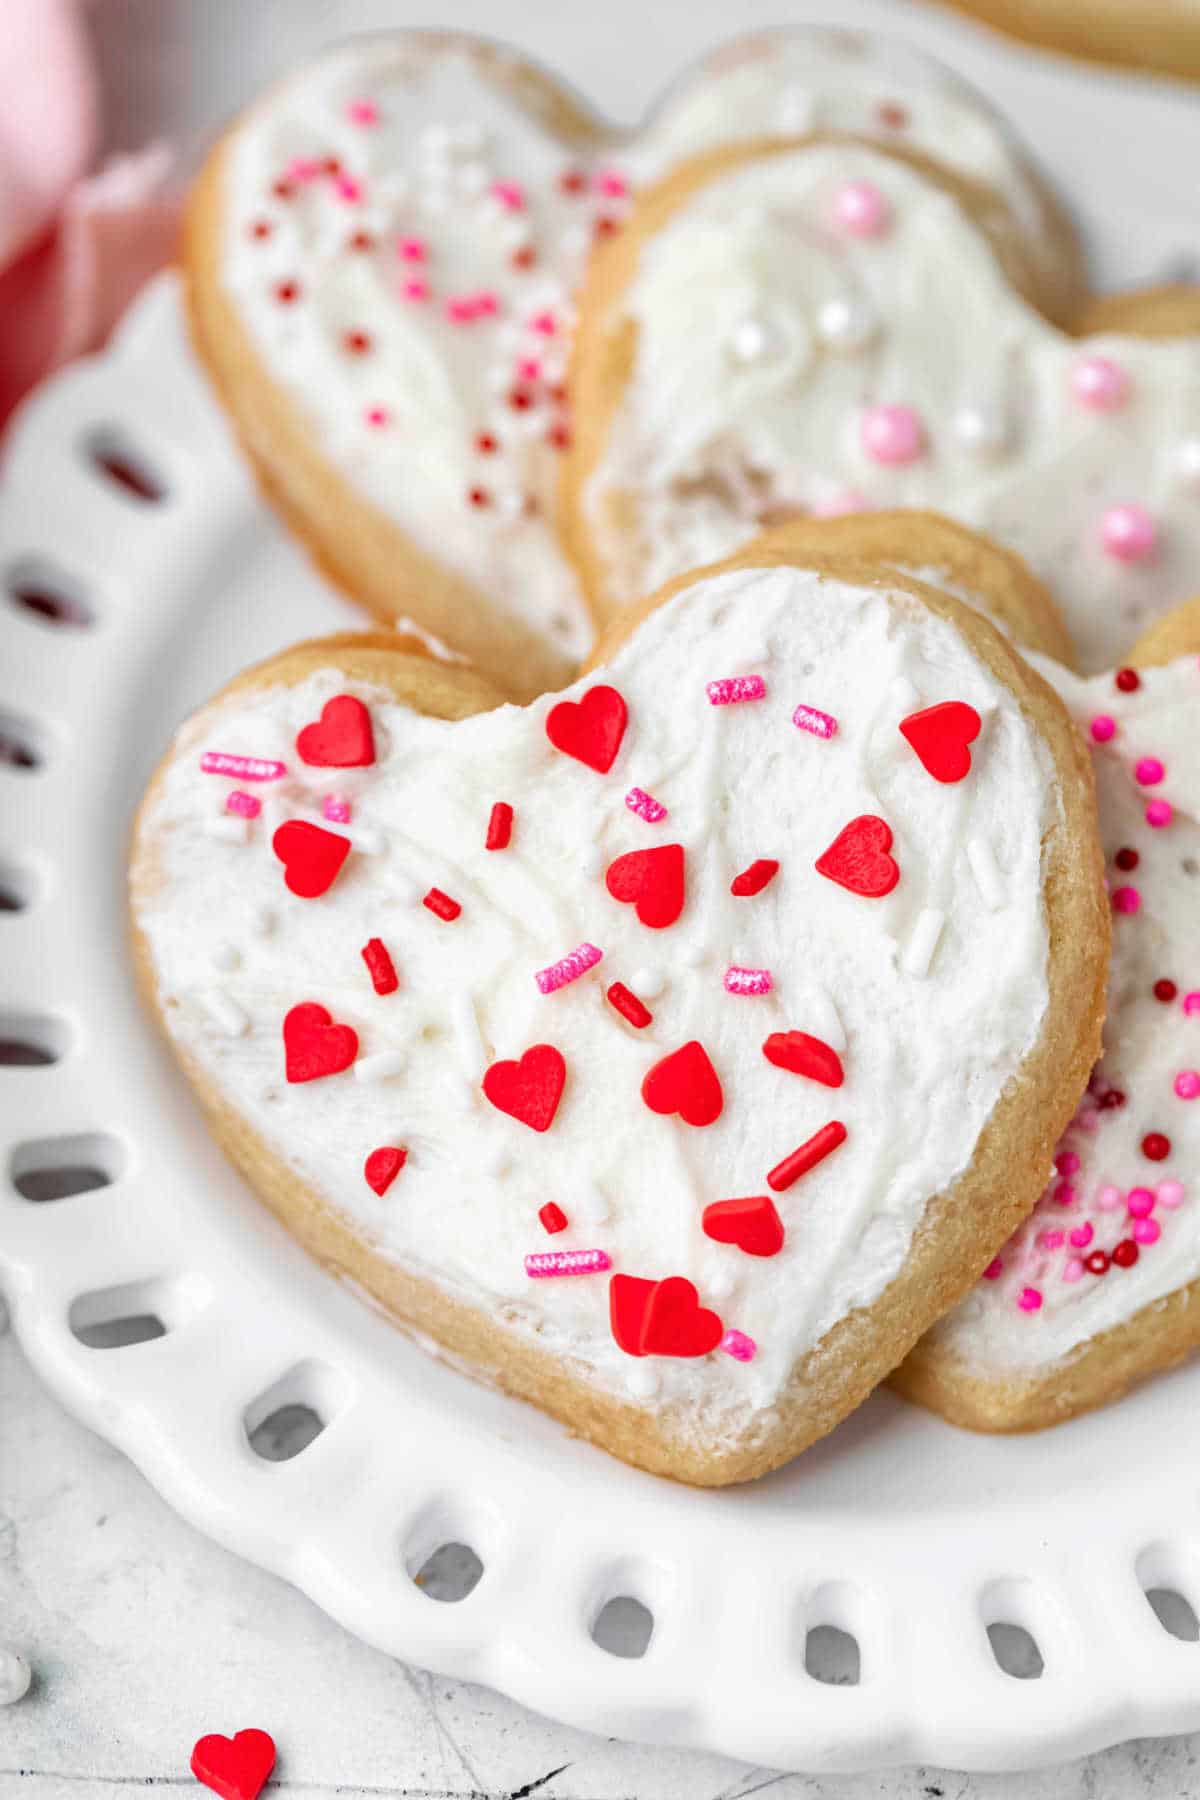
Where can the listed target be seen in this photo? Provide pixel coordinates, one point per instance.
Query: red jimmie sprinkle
(553, 1217)
(441, 904)
(500, 824)
(628, 1005)
(380, 966)
(754, 879)
(818, 1147)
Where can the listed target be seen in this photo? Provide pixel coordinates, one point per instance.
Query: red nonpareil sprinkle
(1165, 991)
(572, 181)
(500, 824)
(1125, 1254)
(357, 343)
(820, 1145)
(629, 1006)
(383, 1165)
(524, 258)
(559, 437)
(287, 291)
(486, 444)
(441, 904)
(478, 496)
(1127, 680)
(1156, 1145)
(1126, 859)
(1096, 1263)
(754, 879)
(606, 227)
(261, 228)
(380, 966)
(520, 399)
(360, 240)
(553, 1217)
(282, 189)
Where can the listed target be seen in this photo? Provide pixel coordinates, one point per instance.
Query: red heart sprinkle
(628, 1303)
(805, 1055)
(236, 1767)
(590, 729)
(341, 738)
(754, 879)
(652, 880)
(858, 858)
(313, 1045)
(752, 1224)
(660, 1318)
(382, 1167)
(942, 736)
(686, 1083)
(311, 857)
(528, 1090)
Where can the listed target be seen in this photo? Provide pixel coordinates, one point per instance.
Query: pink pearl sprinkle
(1187, 1084)
(860, 209)
(1148, 770)
(1170, 1194)
(415, 289)
(891, 434)
(377, 416)
(412, 249)
(1082, 1236)
(820, 724)
(567, 1262)
(645, 805)
(246, 806)
(1127, 899)
(1029, 1299)
(1140, 1203)
(1066, 1162)
(1147, 1231)
(1191, 1003)
(1128, 533)
(1108, 1198)
(739, 1346)
(336, 808)
(1102, 728)
(569, 968)
(994, 1270)
(1158, 814)
(747, 981)
(1051, 1240)
(363, 112)
(510, 194)
(731, 689)
(1099, 384)
(1072, 1270)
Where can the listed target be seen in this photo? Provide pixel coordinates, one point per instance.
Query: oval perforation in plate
(39, 590)
(129, 470)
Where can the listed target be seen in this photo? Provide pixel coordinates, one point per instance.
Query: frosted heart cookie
(1100, 1286)
(380, 257)
(824, 328)
(673, 1050)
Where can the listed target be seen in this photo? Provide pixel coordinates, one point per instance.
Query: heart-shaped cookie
(824, 327)
(1101, 1285)
(551, 1063)
(380, 257)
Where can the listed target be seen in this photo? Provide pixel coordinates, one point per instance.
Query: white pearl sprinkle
(647, 983)
(15, 1676)
(982, 430)
(1187, 463)
(749, 341)
(380, 1067)
(846, 323)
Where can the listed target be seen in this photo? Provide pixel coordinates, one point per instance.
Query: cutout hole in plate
(831, 1655)
(623, 1627)
(293, 1412)
(48, 593)
(444, 1551)
(1016, 1614)
(55, 1168)
(449, 1573)
(136, 1312)
(27, 1042)
(1175, 1613)
(1166, 1576)
(1015, 1650)
(23, 745)
(17, 886)
(117, 459)
(838, 1634)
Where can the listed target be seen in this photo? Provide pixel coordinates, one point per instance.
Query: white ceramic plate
(898, 1532)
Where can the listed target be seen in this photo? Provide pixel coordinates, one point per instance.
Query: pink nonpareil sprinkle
(1051, 1240)
(246, 806)
(612, 183)
(412, 249)
(645, 805)
(1109, 1197)
(1191, 1003)
(544, 323)
(1103, 727)
(1064, 1194)
(747, 981)
(1187, 1084)
(529, 368)
(994, 1270)
(1072, 1269)
(348, 189)
(510, 194)
(1170, 1194)
(567, 1262)
(739, 1346)
(1066, 1162)
(415, 289)
(377, 417)
(1146, 1231)
(1158, 814)
(1149, 770)
(569, 968)
(1029, 1299)
(729, 690)
(242, 768)
(1140, 1203)
(363, 112)
(1126, 899)
(464, 309)
(336, 808)
(1082, 1236)
(820, 724)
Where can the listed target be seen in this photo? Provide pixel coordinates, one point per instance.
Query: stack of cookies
(724, 937)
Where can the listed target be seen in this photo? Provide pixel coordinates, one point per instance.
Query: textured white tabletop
(143, 1635)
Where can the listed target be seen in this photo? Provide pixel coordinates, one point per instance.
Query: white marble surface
(143, 1635)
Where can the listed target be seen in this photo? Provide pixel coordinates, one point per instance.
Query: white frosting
(424, 165)
(705, 443)
(927, 1052)
(1147, 1043)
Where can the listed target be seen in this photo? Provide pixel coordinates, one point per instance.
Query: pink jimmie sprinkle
(303, 168)
(464, 309)
(336, 808)
(1158, 814)
(747, 981)
(730, 689)
(1102, 728)
(1187, 1084)
(739, 1346)
(994, 1270)
(1029, 1299)
(567, 1262)
(242, 768)
(821, 724)
(1127, 899)
(248, 806)
(568, 968)
(1051, 1240)
(645, 805)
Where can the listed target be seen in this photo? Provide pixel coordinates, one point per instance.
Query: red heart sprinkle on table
(942, 736)
(530, 1089)
(383, 1165)
(686, 1083)
(341, 738)
(311, 857)
(801, 1054)
(629, 1006)
(500, 824)
(589, 729)
(380, 966)
(753, 1224)
(553, 1217)
(236, 1768)
(754, 879)
(814, 1150)
(652, 881)
(313, 1045)
(858, 858)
